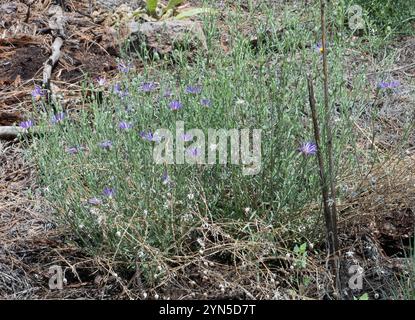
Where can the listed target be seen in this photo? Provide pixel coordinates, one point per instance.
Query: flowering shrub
(104, 184)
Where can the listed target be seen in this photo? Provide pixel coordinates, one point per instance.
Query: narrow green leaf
(151, 6)
(193, 12)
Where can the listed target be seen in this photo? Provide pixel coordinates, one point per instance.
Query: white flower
(247, 210)
(201, 242)
(213, 147)
(190, 196)
(118, 234)
(350, 254)
(156, 296)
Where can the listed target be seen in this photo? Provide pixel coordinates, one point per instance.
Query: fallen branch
(56, 24)
(50, 63)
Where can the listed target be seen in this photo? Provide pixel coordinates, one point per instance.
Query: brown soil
(25, 62)
(88, 51)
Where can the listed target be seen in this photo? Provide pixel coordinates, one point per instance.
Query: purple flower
(106, 144)
(37, 93)
(206, 102)
(146, 135)
(389, 85)
(193, 151)
(187, 137)
(26, 124)
(165, 178)
(149, 136)
(117, 88)
(175, 105)
(95, 201)
(125, 125)
(319, 47)
(308, 148)
(124, 67)
(121, 93)
(193, 89)
(72, 150)
(148, 86)
(57, 118)
(108, 192)
(101, 81)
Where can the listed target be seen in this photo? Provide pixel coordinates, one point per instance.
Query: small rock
(164, 36)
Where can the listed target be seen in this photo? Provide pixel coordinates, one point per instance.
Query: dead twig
(333, 241)
(323, 178)
(49, 64)
(56, 23)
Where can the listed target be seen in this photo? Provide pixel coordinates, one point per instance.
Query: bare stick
(323, 179)
(328, 127)
(26, 20)
(56, 24)
(50, 63)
